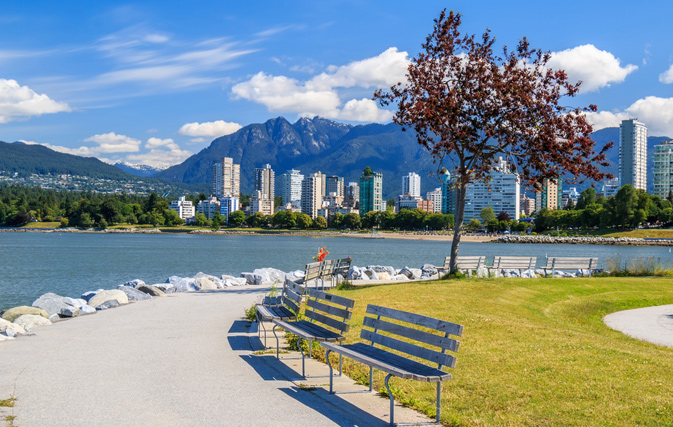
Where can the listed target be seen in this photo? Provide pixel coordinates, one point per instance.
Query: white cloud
(320, 95)
(667, 76)
(19, 102)
(209, 129)
(158, 142)
(655, 112)
(113, 143)
(594, 67)
(159, 157)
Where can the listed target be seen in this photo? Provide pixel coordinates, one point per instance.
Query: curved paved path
(183, 360)
(651, 324)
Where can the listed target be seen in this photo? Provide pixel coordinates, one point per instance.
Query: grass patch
(42, 225)
(535, 351)
(7, 403)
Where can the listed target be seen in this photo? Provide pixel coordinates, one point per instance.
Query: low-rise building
(184, 208)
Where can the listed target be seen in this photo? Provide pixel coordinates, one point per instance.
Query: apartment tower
(633, 154)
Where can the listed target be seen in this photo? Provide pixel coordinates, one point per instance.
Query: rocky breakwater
(50, 308)
(388, 273)
(576, 240)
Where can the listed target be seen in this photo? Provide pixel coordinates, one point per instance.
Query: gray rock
(401, 277)
(252, 278)
(270, 275)
(77, 303)
(482, 272)
(355, 273)
(383, 275)
(152, 290)
(166, 288)
(294, 275)
(134, 294)
(583, 273)
(371, 274)
(51, 303)
(235, 281)
(31, 321)
(87, 309)
(69, 311)
(219, 283)
(13, 313)
(529, 274)
(103, 296)
(428, 270)
(182, 284)
(540, 272)
(205, 284)
(510, 272)
(111, 303)
(382, 269)
(133, 283)
(411, 273)
(11, 329)
(226, 276)
(86, 296)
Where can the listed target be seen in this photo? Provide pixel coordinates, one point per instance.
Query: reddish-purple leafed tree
(470, 105)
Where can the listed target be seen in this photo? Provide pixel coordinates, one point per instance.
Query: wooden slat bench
(327, 316)
(284, 307)
(512, 263)
(464, 263)
(405, 334)
(569, 263)
(326, 271)
(342, 268)
(311, 274)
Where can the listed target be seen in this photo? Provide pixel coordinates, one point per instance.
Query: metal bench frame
(284, 307)
(414, 342)
(328, 315)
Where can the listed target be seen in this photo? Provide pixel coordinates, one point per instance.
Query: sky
(154, 82)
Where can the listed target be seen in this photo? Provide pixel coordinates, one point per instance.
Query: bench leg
(331, 372)
(277, 342)
(439, 401)
(260, 326)
(392, 400)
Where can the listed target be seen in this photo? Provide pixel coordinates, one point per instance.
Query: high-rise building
(208, 207)
(228, 204)
(311, 194)
(633, 154)
(527, 205)
(290, 186)
(435, 197)
(610, 187)
(550, 197)
(184, 208)
(663, 169)
(449, 194)
(411, 184)
(226, 178)
(406, 201)
(569, 195)
(501, 192)
(262, 200)
(335, 184)
(352, 195)
(371, 192)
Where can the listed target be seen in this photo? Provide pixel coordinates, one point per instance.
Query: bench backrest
(292, 295)
(571, 263)
(327, 268)
(466, 262)
(514, 262)
(332, 311)
(311, 272)
(342, 266)
(413, 328)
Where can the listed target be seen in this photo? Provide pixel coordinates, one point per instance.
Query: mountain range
(308, 145)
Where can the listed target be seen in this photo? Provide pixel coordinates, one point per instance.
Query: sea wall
(617, 241)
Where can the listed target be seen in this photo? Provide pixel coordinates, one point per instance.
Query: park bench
(327, 316)
(464, 263)
(406, 334)
(326, 271)
(569, 263)
(311, 274)
(283, 307)
(512, 263)
(341, 268)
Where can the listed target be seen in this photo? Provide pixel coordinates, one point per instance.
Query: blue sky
(157, 81)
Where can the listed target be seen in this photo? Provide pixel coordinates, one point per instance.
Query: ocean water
(69, 264)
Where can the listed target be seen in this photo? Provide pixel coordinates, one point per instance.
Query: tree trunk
(457, 231)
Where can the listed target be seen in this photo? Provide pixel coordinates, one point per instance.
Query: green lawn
(535, 351)
(658, 233)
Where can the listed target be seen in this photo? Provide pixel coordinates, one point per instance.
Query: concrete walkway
(651, 324)
(183, 360)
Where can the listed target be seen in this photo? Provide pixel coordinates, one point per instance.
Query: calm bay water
(69, 264)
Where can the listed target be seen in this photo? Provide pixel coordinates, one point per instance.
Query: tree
(304, 221)
(217, 220)
(200, 220)
(469, 105)
(587, 198)
(487, 215)
(352, 221)
(503, 216)
(367, 171)
(474, 224)
(626, 202)
(172, 218)
(320, 222)
(336, 220)
(236, 218)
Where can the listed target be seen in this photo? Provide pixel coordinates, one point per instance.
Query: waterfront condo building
(435, 197)
(371, 191)
(311, 194)
(633, 154)
(208, 207)
(663, 169)
(411, 184)
(449, 194)
(527, 205)
(406, 201)
(263, 198)
(184, 208)
(228, 204)
(501, 192)
(550, 197)
(226, 178)
(352, 195)
(290, 186)
(610, 187)
(335, 184)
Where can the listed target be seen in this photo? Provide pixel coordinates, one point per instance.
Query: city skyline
(154, 82)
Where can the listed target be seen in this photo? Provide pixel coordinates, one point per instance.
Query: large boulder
(13, 313)
(294, 275)
(482, 272)
(151, 290)
(401, 277)
(86, 296)
(69, 311)
(111, 303)
(235, 281)
(11, 329)
(529, 274)
(134, 294)
(411, 273)
(382, 269)
(252, 278)
(166, 288)
(31, 321)
(371, 274)
(51, 303)
(87, 309)
(219, 283)
(383, 275)
(182, 284)
(428, 271)
(271, 276)
(103, 296)
(205, 284)
(355, 273)
(133, 283)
